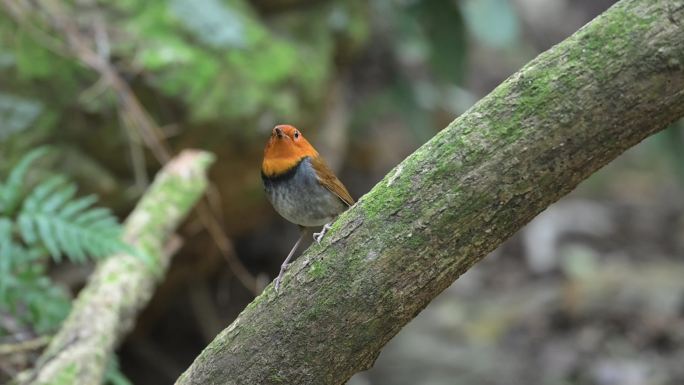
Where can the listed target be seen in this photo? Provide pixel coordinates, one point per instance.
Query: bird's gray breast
(299, 197)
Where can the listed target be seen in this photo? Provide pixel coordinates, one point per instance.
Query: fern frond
(72, 208)
(11, 191)
(27, 229)
(5, 237)
(52, 217)
(5, 252)
(59, 198)
(40, 194)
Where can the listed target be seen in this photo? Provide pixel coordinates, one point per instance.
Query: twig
(137, 154)
(24, 346)
(20, 11)
(225, 246)
(204, 311)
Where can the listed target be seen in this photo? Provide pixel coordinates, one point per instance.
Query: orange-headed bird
(300, 185)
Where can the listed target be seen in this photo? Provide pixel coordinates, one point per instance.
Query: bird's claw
(283, 268)
(318, 236)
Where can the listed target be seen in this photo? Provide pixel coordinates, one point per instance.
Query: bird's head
(284, 149)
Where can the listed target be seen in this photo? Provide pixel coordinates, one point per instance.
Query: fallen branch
(531, 141)
(122, 285)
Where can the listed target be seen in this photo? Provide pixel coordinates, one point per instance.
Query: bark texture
(122, 284)
(532, 140)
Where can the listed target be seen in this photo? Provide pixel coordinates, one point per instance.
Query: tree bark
(532, 140)
(122, 284)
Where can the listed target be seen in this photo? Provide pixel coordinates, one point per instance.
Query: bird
(300, 186)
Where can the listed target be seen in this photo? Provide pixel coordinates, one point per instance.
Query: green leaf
(74, 238)
(52, 217)
(39, 196)
(68, 241)
(33, 60)
(77, 206)
(17, 114)
(6, 244)
(59, 198)
(113, 374)
(10, 196)
(444, 28)
(27, 229)
(97, 217)
(213, 22)
(47, 236)
(33, 299)
(493, 22)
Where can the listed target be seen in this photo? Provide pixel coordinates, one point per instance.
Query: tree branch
(532, 140)
(122, 284)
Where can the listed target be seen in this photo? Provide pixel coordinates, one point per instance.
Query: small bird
(300, 185)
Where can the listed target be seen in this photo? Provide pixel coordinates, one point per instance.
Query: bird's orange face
(284, 149)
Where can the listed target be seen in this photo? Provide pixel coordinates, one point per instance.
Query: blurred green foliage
(45, 219)
(208, 70)
(215, 57)
(492, 22)
(203, 52)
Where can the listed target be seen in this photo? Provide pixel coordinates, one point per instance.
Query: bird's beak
(278, 132)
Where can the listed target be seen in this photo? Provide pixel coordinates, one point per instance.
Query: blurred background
(590, 292)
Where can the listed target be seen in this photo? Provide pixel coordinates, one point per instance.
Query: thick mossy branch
(122, 284)
(531, 141)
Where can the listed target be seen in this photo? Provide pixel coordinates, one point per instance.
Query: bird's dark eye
(296, 134)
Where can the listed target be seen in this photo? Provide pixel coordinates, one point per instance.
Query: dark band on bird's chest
(298, 195)
(284, 176)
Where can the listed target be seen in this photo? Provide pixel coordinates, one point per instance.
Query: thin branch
(226, 248)
(24, 346)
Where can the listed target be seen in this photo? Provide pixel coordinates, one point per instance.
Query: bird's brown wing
(330, 181)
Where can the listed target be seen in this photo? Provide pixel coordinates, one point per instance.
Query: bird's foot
(283, 268)
(286, 263)
(318, 236)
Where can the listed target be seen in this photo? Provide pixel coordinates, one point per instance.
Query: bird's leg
(285, 264)
(318, 236)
